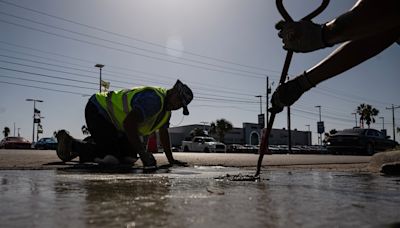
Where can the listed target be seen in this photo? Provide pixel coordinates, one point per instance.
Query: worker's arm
(342, 59)
(131, 129)
(166, 143)
(351, 54)
(367, 18)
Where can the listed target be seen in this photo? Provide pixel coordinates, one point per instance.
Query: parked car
(234, 148)
(46, 144)
(359, 140)
(203, 144)
(15, 143)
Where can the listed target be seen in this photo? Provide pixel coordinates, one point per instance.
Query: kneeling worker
(118, 119)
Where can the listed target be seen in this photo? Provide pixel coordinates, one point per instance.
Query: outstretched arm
(366, 18)
(343, 58)
(351, 54)
(165, 141)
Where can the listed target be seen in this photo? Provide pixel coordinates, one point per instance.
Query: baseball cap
(186, 95)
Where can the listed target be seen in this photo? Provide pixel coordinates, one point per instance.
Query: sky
(224, 50)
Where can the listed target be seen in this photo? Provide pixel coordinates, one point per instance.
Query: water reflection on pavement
(192, 197)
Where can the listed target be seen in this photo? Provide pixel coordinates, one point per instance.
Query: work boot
(64, 147)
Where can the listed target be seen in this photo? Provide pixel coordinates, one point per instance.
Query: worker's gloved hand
(301, 36)
(289, 92)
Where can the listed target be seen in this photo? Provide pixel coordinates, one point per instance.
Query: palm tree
(221, 127)
(367, 114)
(6, 131)
(197, 132)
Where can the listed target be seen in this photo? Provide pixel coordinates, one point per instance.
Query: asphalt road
(47, 159)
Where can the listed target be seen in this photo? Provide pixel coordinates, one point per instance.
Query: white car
(203, 144)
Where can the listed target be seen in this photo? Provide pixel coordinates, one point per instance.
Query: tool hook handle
(310, 16)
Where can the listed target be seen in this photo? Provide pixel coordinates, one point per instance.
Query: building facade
(250, 134)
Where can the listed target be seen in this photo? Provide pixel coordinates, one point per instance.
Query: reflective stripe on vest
(117, 104)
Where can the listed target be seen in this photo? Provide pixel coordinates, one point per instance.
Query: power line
(129, 52)
(47, 76)
(157, 76)
(233, 99)
(112, 80)
(46, 82)
(43, 88)
(135, 39)
(126, 45)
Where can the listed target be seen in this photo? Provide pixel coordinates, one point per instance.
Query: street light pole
(355, 117)
(100, 66)
(259, 96)
(320, 135)
(34, 112)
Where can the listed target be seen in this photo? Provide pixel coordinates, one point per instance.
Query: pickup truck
(203, 144)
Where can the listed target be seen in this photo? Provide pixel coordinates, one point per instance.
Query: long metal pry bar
(265, 138)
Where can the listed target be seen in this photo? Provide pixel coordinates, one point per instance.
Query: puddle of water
(192, 197)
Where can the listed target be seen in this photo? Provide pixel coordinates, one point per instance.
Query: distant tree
(6, 131)
(221, 127)
(333, 131)
(54, 133)
(327, 135)
(367, 114)
(197, 132)
(85, 130)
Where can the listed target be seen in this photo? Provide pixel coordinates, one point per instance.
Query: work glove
(301, 36)
(289, 92)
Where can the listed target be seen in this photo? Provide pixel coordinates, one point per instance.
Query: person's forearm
(165, 141)
(366, 18)
(131, 130)
(349, 55)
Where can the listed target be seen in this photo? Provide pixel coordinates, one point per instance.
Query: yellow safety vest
(117, 104)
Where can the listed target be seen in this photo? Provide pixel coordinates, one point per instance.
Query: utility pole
(100, 66)
(34, 115)
(320, 126)
(394, 125)
(355, 117)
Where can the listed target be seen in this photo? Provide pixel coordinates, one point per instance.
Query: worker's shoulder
(146, 98)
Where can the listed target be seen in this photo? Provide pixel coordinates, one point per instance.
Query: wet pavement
(197, 196)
